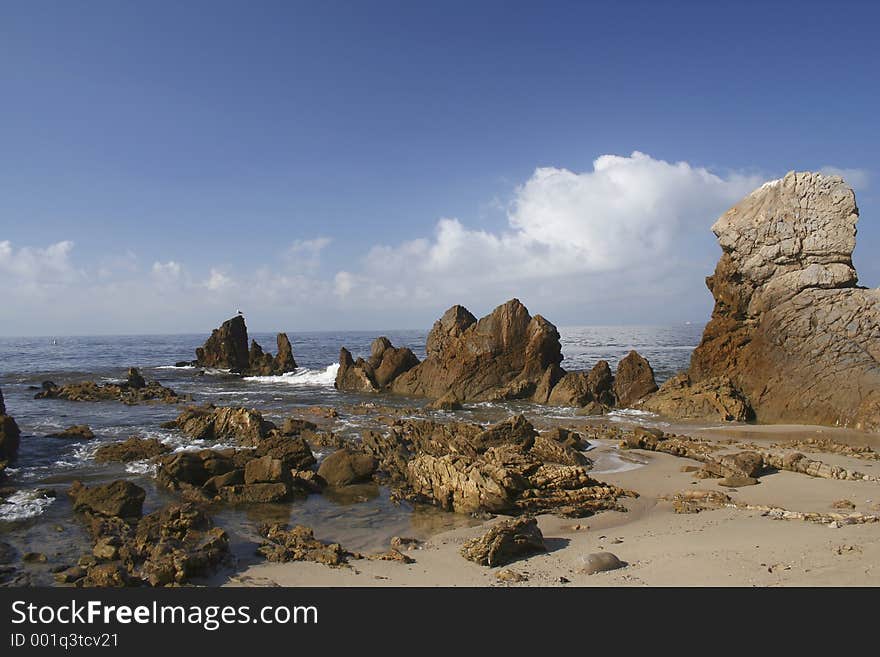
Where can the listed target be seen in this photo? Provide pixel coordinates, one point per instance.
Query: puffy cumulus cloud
(305, 255)
(38, 265)
(612, 224)
(858, 179)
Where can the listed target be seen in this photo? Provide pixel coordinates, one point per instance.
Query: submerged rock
(77, 432)
(134, 391)
(506, 541)
(227, 348)
(790, 328)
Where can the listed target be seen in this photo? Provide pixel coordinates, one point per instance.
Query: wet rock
(600, 562)
(447, 402)
(8, 554)
(120, 498)
(70, 575)
(219, 423)
(2, 404)
(34, 557)
(135, 380)
(77, 432)
(10, 438)
(283, 544)
(294, 452)
(506, 541)
(567, 438)
(634, 380)
(133, 448)
(346, 467)
(266, 470)
(294, 426)
(89, 391)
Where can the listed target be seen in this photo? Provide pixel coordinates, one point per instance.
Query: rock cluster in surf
(134, 390)
(227, 348)
(508, 354)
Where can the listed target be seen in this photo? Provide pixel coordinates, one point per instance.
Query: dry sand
(724, 547)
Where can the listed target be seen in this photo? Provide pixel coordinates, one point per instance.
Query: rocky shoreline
(792, 338)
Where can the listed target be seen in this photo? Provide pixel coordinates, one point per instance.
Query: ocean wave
(176, 367)
(302, 376)
(24, 504)
(144, 467)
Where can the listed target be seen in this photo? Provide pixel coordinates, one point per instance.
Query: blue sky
(366, 164)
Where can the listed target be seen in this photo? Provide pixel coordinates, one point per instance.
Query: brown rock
(120, 498)
(790, 327)
(227, 348)
(714, 398)
(78, 432)
(345, 467)
(10, 438)
(131, 449)
(505, 542)
(298, 543)
(266, 470)
(243, 425)
(447, 402)
(600, 562)
(264, 493)
(506, 350)
(634, 380)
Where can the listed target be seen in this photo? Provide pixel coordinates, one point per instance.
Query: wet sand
(724, 547)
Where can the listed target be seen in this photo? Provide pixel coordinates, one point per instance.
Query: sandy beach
(723, 547)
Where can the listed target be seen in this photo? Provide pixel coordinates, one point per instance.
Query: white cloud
(218, 281)
(35, 265)
(167, 274)
(623, 215)
(305, 255)
(858, 179)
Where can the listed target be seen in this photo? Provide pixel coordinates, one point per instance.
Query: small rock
(599, 562)
(843, 504)
(34, 557)
(735, 481)
(510, 576)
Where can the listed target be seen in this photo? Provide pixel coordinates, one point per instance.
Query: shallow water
(364, 522)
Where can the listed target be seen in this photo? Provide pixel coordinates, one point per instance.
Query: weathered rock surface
(583, 388)
(386, 362)
(345, 467)
(298, 543)
(134, 391)
(120, 498)
(634, 379)
(467, 468)
(133, 448)
(245, 426)
(277, 468)
(505, 542)
(790, 327)
(506, 352)
(165, 548)
(227, 348)
(714, 398)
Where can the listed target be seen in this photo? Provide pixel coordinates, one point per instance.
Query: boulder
(133, 448)
(506, 541)
(634, 380)
(447, 402)
(135, 380)
(714, 398)
(388, 362)
(120, 498)
(581, 389)
(354, 375)
(791, 328)
(261, 493)
(266, 470)
(293, 451)
(345, 467)
(600, 562)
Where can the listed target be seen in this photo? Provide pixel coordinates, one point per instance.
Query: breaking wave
(302, 376)
(24, 504)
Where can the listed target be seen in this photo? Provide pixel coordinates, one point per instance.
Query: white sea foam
(302, 376)
(24, 504)
(176, 367)
(144, 467)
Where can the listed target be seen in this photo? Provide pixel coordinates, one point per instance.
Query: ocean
(364, 520)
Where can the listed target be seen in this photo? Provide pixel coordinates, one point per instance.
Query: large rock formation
(790, 328)
(227, 348)
(504, 354)
(634, 380)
